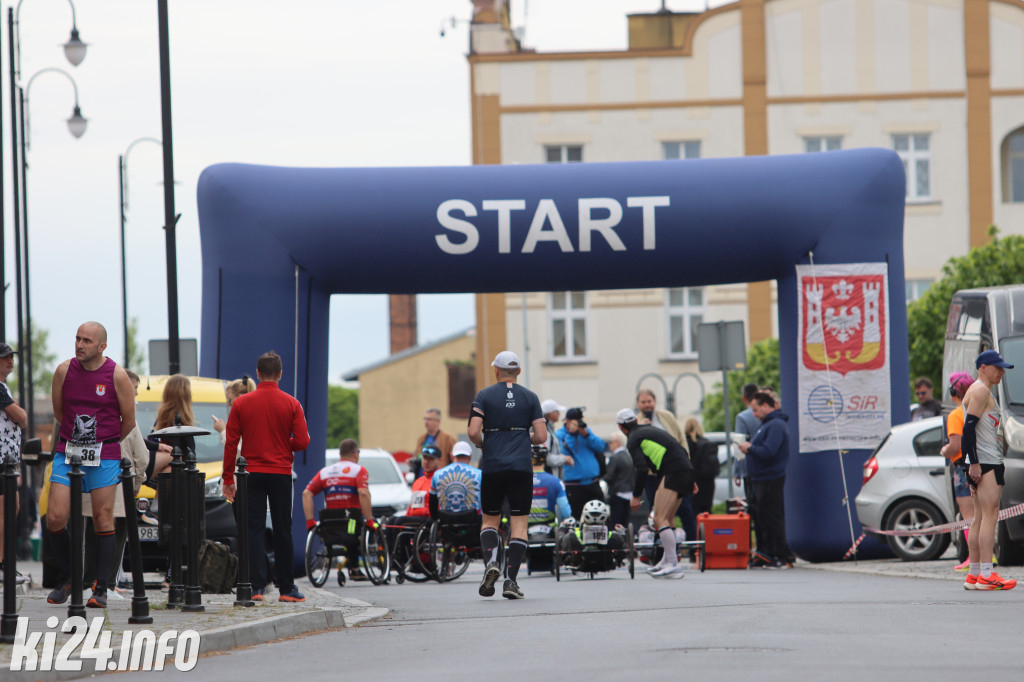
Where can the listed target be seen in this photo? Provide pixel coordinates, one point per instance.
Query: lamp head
(74, 49)
(77, 123)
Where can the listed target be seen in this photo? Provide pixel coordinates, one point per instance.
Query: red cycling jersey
(420, 492)
(340, 484)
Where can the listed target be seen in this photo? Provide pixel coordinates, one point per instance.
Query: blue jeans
(275, 490)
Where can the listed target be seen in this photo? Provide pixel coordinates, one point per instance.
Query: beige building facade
(940, 82)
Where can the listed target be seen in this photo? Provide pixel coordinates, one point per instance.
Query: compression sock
(668, 542)
(489, 542)
(60, 544)
(104, 556)
(516, 552)
(986, 569)
(973, 570)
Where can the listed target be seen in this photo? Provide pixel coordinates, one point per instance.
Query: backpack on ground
(705, 459)
(218, 568)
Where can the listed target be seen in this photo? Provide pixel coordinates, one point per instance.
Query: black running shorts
(679, 481)
(999, 469)
(515, 486)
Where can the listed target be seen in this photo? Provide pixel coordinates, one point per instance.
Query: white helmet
(595, 513)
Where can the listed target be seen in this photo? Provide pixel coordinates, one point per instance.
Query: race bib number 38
(90, 454)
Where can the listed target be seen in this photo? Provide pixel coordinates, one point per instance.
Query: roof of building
(353, 375)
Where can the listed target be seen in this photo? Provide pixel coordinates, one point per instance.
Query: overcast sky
(338, 83)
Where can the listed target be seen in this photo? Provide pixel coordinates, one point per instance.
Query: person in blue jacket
(582, 478)
(767, 455)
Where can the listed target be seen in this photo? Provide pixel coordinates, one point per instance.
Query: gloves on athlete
(309, 524)
(372, 524)
(569, 522)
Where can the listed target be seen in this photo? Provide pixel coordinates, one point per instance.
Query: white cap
(625, 416)
(549, 406)
(462, 448)
(506, 359)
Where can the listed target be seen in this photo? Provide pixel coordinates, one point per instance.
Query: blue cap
(430, 451)
(991, 357)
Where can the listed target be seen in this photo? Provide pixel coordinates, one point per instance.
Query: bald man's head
(90, 342)
(99, 332)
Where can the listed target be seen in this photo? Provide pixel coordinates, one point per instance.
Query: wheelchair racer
(550, 503)
(576, 537)
(346, 485)
(455, 489)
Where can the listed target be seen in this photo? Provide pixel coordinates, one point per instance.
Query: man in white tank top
(982, 445)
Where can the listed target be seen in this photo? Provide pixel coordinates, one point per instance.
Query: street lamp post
(122, 172)
(74, 51)
(170, 218)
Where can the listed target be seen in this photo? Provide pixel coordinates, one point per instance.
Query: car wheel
(1007, 552)
(911, 515)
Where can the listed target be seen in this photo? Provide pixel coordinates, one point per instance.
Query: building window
(686, 310)
(563, 153)
(688, 149)
(1013, 167)
(567, 313)
(914, 149)
(821, 143)
(916, 288)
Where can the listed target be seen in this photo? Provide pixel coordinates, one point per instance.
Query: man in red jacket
(271, 425)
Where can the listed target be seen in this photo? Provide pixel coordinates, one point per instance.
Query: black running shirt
(508, 411)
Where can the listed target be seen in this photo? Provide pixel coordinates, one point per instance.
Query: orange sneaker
(971, 582)
(994, 582)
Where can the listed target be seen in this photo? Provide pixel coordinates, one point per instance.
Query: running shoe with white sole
(970, 582)
(655, 568)
(511, 590)
(994, 582)
(491, 575)
(671, 571)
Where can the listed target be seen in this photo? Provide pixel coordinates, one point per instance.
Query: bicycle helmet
(595, 513)
(540, 454)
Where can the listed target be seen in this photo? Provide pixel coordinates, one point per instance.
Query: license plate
(149, 533)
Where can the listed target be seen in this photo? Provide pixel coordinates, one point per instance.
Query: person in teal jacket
(582, 478)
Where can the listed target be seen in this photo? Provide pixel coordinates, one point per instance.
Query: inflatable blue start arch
(277, 242)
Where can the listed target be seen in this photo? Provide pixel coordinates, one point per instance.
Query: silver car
(905, 487)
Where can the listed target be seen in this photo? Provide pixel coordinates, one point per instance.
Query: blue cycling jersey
(457, 488)
(549, 499)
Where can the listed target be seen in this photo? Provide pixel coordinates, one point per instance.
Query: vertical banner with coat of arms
(843, 378)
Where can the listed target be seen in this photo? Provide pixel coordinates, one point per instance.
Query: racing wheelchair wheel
(318, 558)
(376, 557)
(341, 578)
(631, 549)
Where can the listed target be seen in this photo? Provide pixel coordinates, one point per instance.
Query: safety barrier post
(140, 602)
(9, 620)
(195, 507)
(243, 590)
(76, 607)
(176, 591)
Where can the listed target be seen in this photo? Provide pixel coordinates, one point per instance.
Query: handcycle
(597, 554)
(451, 542)
(405, 545)
(343, 532)
(651, 551)
(540, 552)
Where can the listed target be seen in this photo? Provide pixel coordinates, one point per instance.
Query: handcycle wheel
(455, 563)
(376, 557)
(425, 552)
(318, 558)
(411, 568)
(631, 548)
(702, 555)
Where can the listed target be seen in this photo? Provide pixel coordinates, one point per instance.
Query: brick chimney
(402, 317)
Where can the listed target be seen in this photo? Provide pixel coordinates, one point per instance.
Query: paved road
(721, 625)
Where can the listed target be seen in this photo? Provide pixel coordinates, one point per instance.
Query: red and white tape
(1007, 513)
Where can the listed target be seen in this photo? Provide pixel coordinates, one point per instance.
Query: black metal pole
(3, 241)
(15, 194)
(170, 218)
(76, 607)
(195, 500)
(243, 591)
(175, 593)
(124, 267)
(140, 602)
(26, 359)
(9, 620)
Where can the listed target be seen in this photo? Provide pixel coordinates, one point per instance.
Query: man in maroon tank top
(94, 404)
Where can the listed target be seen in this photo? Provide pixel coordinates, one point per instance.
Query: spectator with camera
(582, 478)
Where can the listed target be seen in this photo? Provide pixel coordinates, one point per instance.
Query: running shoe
(971, 582)
(491, 575)
(656, 567)
(511, 590)
(671, 571)
(59, 594)
(964, 566)
(994, 582)
(356, 575)
(778, 564)
(19, 579)
(98, 600)
(257, 594)
(292, 595)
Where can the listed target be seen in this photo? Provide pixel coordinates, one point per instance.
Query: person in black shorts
(499, 424)
(654, 449)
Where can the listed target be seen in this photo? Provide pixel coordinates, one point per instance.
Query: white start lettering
(595, 215)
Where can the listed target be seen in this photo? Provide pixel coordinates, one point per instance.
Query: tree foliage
(997, 263)
(342, 414)
(136, 350)
(42, 363)
(762, 369)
